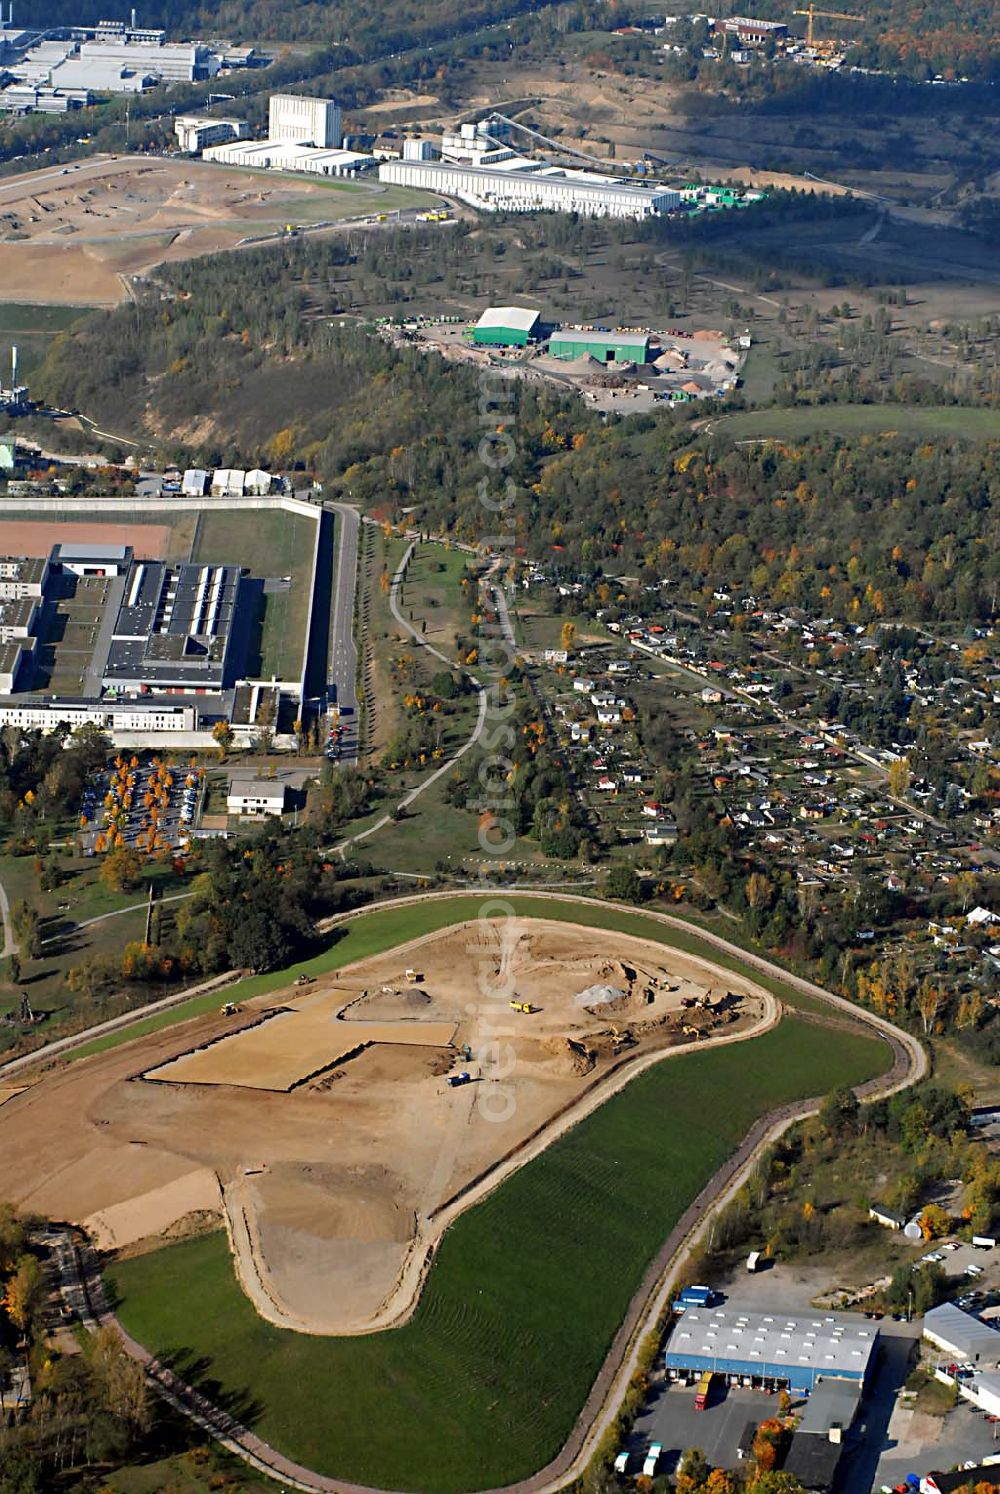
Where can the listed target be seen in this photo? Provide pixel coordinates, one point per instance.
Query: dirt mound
(391, 1004)
(570, 1057)
(600, 995)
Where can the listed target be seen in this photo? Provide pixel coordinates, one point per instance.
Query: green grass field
(384, 928)
(861, 420)
(271, 544)
(482, 1386)
(32, 329)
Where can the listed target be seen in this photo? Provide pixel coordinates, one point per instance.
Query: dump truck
(455, 1080)
(522, 1006)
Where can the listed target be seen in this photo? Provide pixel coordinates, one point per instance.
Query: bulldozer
(230, 1009)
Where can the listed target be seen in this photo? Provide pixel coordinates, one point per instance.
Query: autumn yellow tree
(899, 778)
(24, 1292)
(567, 635)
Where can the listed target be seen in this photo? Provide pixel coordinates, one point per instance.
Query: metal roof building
(506, 327)
(962, 1335)
(772, 1346)
(544, 190)
(606, 347)
(174, 628)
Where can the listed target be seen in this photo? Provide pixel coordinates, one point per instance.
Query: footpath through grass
(484, 1383)
(379, 929)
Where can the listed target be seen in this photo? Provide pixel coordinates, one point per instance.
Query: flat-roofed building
(14, 657)
(195, 131)
(304, 121)
(23, 576)
(92, 560)
(773, 1348)
(540, 190)
(174, 629)
(17, 618)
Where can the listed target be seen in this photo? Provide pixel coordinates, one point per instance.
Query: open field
(32, 328)
(482, 1385)
(69, 235)
(272, 545)
(37, 536)
(862, 420)
(325, 1115)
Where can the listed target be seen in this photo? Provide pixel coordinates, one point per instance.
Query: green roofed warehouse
(606, 347)
(506, 327)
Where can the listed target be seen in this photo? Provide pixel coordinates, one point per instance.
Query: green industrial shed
(506, 327)
(606, 347)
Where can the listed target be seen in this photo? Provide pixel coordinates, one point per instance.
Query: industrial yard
(328, 1115)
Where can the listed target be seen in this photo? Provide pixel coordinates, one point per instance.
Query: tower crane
(833, 15)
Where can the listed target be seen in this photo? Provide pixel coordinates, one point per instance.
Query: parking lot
(670, 1419)
(919, 1443)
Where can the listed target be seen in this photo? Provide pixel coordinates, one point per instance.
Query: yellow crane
(832, 15)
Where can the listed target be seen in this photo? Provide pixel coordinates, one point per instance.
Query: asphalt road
(342, 670)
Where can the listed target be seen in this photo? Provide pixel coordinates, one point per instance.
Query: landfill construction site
(338, 1126)
(68, 235)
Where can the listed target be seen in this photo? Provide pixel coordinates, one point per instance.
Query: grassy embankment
(861, 420)
(271, 544)
(484, 1383)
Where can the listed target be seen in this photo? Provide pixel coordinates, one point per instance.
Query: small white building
(257, 483)
(584, 686)
(228, 482)
(195, 482)
(253, 798)
(660, 833)
(888, 1218)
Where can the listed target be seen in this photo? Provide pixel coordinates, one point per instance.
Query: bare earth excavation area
(321, 1122)
(68, 234)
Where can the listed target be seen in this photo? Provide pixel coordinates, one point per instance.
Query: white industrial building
(114, 65)
(281, 155)
(110, 715)
(300, 120)
(195, 131)
(966, 1338)
(420, 150)
(545, 189)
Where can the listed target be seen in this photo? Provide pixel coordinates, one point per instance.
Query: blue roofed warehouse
(771, 1347)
